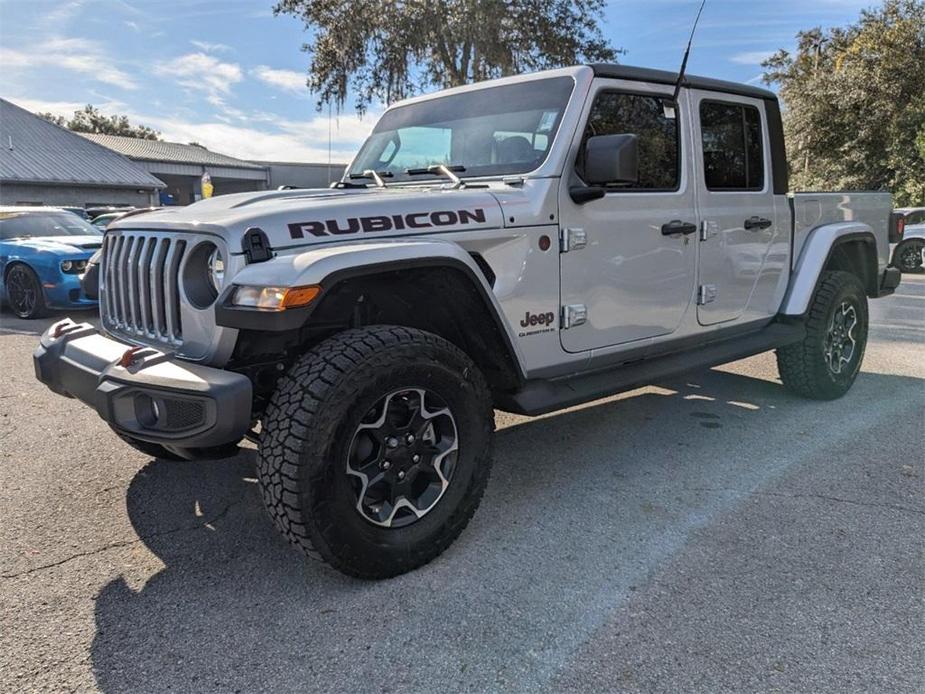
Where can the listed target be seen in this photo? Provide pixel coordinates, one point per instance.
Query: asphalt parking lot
(711, 533)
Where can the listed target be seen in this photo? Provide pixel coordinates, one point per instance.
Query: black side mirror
(612, 159)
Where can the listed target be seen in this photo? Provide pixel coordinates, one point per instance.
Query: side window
(654, 121)
(733, 151)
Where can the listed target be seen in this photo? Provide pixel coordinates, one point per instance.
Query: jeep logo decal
(397, 222)
(537, 319)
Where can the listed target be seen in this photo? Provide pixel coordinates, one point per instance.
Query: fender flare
(817, 250)
(330, 264)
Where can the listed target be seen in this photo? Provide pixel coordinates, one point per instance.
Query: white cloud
(281, 140)
(204, 73)
(286, 80)
(76, 55)
(211, 47)
(751, 57)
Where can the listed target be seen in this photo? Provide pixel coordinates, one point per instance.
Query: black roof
(643, 74)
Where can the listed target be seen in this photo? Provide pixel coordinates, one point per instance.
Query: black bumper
(156, 397)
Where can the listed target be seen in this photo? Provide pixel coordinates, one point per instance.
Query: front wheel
(909, 254)
(376, 449)
(824, 365)
(24, 292)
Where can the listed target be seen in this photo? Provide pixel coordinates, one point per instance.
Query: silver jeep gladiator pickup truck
(525, 244)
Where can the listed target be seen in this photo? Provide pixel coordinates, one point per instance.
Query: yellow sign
(207, 188)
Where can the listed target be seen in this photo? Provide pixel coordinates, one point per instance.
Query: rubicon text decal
(380, 223)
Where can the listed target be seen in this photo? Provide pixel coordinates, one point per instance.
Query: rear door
(743, 237)
(631, 275)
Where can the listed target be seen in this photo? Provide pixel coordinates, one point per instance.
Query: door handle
(753, 223)
(676, 226)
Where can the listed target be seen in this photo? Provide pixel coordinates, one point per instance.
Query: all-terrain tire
(311, 421)
(804, 367)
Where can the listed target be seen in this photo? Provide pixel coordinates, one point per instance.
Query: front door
(744, 239)
(633, 275)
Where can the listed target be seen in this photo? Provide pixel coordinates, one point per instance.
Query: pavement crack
(824, 497)
(125, 543)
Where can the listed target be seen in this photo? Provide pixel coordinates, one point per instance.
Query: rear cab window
(733, 146)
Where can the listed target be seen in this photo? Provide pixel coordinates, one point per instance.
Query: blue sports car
(43, 253)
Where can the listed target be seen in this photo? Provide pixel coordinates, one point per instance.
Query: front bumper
(155, 397)
(65, 291)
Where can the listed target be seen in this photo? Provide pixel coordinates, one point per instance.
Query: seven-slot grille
(140, 288)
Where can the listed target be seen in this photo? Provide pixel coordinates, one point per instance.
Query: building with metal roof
(183, 166)
(44, 164)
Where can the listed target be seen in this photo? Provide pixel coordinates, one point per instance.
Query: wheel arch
(432, 286)
(847, 246)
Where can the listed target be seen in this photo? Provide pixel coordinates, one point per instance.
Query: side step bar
(542, 396)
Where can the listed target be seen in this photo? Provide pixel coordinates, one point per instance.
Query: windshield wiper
(377, 176)
(442, 170)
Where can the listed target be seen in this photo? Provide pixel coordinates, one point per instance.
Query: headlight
(273, 298)
(217, 270)
(73, 267)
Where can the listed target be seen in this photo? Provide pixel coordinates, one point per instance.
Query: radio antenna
(687, 52)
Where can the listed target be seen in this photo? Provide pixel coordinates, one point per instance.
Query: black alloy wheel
(24, 292)
(402, 457)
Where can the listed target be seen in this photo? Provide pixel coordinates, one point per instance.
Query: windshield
(14, 225)
(491, 132)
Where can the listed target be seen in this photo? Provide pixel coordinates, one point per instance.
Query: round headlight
(67, 265)
(217, 270)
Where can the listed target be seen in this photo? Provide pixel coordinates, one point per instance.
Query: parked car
(79, 211)
(909, 254)
(95, 212)
(104, 220)
(43, 252)
(592, 233)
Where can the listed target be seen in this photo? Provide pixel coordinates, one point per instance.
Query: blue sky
(230, 75)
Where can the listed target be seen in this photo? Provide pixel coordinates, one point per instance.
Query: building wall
(302, 175)
(73, 196)
(187, 189)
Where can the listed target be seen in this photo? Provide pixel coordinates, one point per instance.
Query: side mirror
(612, 159)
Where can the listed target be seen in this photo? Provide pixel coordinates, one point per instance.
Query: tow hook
(64, 327)
(128, 358)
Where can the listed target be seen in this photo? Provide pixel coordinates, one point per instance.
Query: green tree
(89, 119)
(854, 100)
(385, 50)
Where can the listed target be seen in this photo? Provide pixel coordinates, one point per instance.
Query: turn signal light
(274, 298)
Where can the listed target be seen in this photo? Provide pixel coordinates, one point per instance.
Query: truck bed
(810, 210)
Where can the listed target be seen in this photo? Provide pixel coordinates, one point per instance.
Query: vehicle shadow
(581, 507)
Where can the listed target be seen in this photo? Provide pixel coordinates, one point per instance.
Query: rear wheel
(376, 449)
(908, 256)
(24, 292)
(824, 365)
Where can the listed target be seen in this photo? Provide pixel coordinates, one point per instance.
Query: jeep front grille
(140, 285)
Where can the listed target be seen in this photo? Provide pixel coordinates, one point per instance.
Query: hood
(302, 217)
(74, 245)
